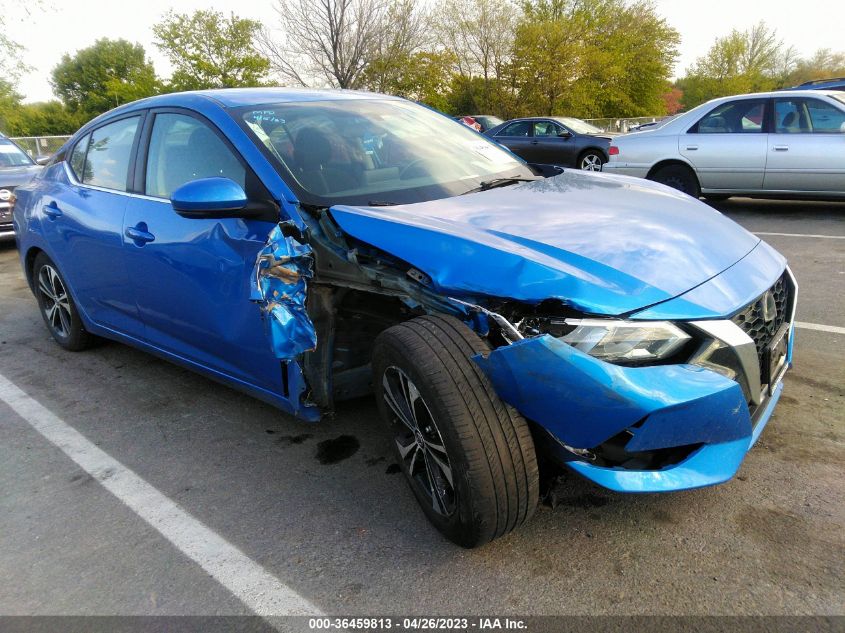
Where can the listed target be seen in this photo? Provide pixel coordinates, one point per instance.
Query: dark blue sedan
(309, 247)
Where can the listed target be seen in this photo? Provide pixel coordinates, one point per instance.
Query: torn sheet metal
(279, 286)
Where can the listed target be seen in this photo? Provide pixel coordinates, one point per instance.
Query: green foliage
(822, 65)
(423, 76)
(43, 119)
(743, 61)
(209, 50)
(103, 76)
(603, 58)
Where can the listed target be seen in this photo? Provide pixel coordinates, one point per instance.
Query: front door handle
(52, 210)
(781, 148)
(692, 148)
(139, 234)
(534, 142)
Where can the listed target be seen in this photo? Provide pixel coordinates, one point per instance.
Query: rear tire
(591, 160)
(458, 425)
(678, 177)
(57, 307)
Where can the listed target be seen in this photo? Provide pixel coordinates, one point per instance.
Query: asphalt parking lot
(327, 520)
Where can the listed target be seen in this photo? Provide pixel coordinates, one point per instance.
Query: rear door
(807, 148)
(517, 138)
(192, 275)
(83, 223)
(727, 146)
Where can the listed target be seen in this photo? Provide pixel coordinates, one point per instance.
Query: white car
(789, 143)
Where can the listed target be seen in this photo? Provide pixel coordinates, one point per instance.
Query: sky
(50, 28)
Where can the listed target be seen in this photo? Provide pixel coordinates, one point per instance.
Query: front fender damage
(583, 402)
(279, 286)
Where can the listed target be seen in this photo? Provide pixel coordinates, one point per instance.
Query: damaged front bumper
(630, 429)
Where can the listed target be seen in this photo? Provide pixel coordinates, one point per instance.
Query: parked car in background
(16, 168)
(773, 144)
(469, 122)
(558, 141)
(486, 121)
(626, 331)
(833, 83)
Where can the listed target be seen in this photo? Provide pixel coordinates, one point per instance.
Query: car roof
(236, 98)
(789, 92)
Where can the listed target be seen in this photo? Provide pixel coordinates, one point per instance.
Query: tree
(823, 64)
(209, 50)
(103, 76)
(394, 58)
(424, 77)
(42, 119)
(742, 61)
(330, 41)
(603, 58)
(480, 33)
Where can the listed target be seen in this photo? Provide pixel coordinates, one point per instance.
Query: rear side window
(183, 149)
(825, 118)
(107, 160)
(77, 157)
(735, 117)
(520, 128)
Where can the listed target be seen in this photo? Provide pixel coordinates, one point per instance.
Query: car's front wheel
(468, 456)
(57, 306)
(591, 160)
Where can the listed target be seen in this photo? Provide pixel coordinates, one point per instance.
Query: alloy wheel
(419, 442)
(56, 303)
(591, 162)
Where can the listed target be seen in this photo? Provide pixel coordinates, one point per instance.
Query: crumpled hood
(602, 244)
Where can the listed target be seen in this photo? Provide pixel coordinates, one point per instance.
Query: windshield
(11, 155)
(578, 126)
(365, 151)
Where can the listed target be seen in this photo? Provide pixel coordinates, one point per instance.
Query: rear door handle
(139, 234)
(52, 210)
(781, 148)
(534, 142)
(692, 148)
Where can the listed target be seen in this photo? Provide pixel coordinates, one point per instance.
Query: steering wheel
(404, 173)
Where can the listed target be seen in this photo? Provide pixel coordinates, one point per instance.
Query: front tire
(468, 456)
(591, 160)
(678, 177)
(57, 307)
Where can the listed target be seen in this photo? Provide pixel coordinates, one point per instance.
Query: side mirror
(209, 198)
(565, 134)
(43, 160)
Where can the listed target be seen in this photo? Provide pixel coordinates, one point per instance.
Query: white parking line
(253, 585)
(827, 237)
(820, 328)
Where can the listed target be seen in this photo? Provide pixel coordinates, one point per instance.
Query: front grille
(774, 304)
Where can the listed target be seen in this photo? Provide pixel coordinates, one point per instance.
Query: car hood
(16, 176)
(601, 244)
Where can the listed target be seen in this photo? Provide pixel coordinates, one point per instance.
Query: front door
(727, 146)
(192, 276)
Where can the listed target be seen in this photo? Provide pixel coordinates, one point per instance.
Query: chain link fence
(40, 146)
(620, 125)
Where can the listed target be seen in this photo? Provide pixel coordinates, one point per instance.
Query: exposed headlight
(625, 341)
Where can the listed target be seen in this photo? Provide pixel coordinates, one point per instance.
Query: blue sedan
(309, 247)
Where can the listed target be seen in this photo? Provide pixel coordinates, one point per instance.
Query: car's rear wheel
(591, 160)
(469, 457)
(57, 307)
(678, 177)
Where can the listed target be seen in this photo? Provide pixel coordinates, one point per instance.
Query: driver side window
(183, 149)
(547, 129)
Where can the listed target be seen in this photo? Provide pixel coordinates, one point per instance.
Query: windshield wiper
(381, 203)
(497, 182)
